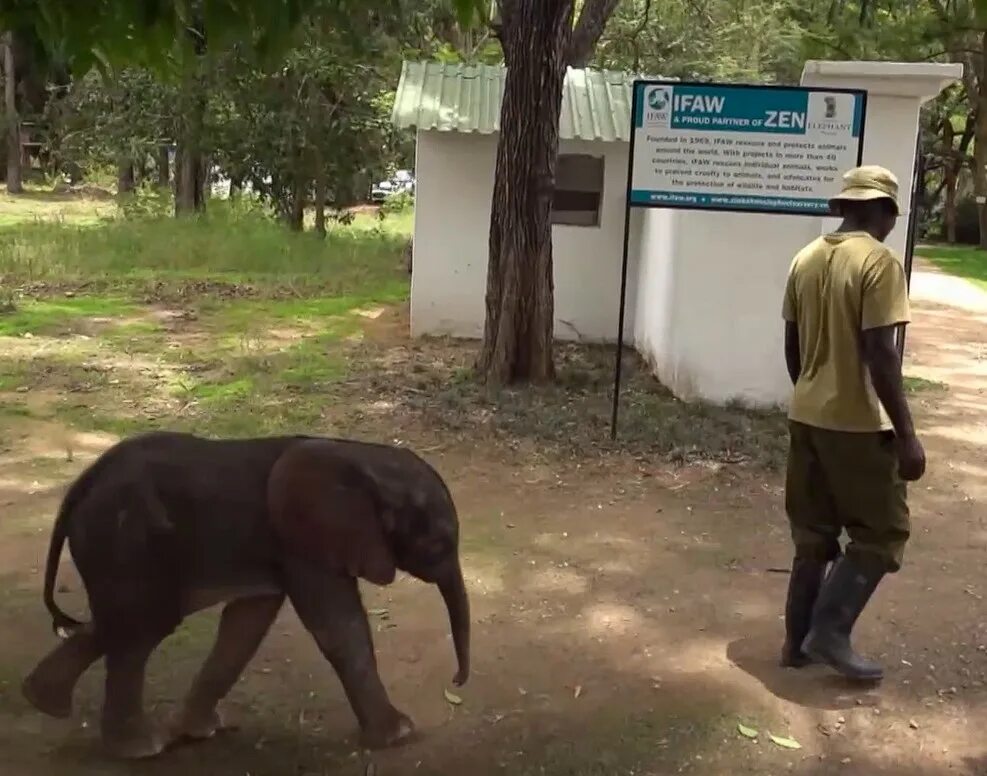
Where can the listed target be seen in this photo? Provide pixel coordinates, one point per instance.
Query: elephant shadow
(814, 686)
(264, 749)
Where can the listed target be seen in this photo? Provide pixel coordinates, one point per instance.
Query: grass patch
(265, 338)
(43, 317)
(570, 418)
(324, 313)
(965, 262)
(920, 384)
(230, 251)
(40, 205)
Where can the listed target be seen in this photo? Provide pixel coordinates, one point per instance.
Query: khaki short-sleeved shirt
(838, 286)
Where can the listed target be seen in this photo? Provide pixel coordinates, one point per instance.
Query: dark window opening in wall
(578, 190)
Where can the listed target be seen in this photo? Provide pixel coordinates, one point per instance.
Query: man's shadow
(814, 686)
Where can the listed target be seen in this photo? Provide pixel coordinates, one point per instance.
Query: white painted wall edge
(923, 80)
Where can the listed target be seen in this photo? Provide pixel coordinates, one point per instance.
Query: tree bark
(164, 167)
(188, 182)
(518, 332)
(980, 143)
(320, 195)
(15, 183)
(296, 218)
(125, 176)
(592, 22)
(950, 177)
(189, 172)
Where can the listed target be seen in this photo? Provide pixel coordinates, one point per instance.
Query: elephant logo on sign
(830, 107)
(658, 99)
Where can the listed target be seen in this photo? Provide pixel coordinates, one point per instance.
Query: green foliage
(397, 203)
(762, 40)
(105, 117)
(969, 263)
(164, 34)
(234, 247)
(322, 112)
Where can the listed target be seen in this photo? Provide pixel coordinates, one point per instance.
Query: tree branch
(592, 22)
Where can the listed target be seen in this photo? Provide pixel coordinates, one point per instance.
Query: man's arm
(793, 353)
(885, 305)
(789, 311)
(881, 357)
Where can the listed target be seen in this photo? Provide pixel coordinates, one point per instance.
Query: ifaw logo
(659, 107)
(658, 99)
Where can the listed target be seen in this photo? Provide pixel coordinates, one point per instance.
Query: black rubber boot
(846, 592)
(803, 590)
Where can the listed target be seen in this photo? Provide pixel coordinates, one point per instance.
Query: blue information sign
(765, 149)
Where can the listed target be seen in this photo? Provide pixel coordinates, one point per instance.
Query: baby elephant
(166, 524)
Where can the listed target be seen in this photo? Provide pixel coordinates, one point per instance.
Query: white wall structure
(456, 111)
(455, 177)
(704, 288)
(711, 284)
(896, 92)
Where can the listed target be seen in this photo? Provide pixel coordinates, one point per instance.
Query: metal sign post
(735, 148)
(913, 210)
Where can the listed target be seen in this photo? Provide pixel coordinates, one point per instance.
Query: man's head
(869, 200)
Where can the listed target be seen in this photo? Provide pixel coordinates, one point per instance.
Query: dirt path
(627, 618)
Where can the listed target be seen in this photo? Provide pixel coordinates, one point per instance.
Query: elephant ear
(324, 508)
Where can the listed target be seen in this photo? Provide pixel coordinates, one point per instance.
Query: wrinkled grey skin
(166, 524)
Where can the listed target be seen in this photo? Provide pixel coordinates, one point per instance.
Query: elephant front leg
(50, 685)
(331, 609)
(242, 627)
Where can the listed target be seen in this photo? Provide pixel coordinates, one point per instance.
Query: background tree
(11, 118)
(537, 39)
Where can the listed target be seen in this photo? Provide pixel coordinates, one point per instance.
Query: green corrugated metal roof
(596, 104)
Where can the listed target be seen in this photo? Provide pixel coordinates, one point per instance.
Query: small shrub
(397, 204)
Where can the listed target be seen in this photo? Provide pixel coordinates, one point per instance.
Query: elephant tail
(61, 622)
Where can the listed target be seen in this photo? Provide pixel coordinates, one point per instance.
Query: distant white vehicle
(401, 182)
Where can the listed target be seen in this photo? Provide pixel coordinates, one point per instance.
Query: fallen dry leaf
(787, 743)
(454, 699)
(746, 732)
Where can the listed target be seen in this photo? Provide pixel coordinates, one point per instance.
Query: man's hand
(911, 458)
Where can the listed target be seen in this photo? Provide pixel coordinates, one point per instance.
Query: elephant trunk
(453, 590)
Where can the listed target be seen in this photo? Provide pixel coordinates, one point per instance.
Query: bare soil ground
(627, 616)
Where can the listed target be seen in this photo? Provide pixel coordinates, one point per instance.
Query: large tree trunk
(950, 179)
(320, 195)
(980, 143)
(188, 181)
(949, 210)
(15, 184)
(164, 167)
(125, 176)
(190, 167)
(980, 167)
(592, 22)
(296, 217)
(517, 337)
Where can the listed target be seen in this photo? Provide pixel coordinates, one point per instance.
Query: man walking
(852, 443)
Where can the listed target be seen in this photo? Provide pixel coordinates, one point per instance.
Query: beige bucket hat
(868, 182)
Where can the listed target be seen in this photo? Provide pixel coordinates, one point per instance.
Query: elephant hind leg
(242, 627)
(127, 731)
(49, 687)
